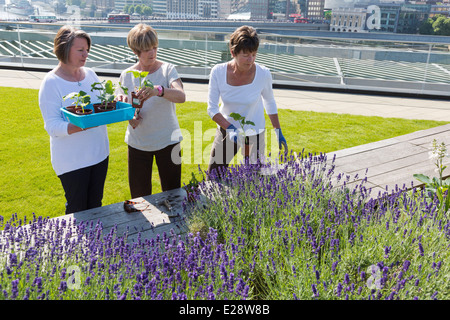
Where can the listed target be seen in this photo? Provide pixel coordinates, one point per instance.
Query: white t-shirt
(248, 100)
(78, 150)
(159, 126)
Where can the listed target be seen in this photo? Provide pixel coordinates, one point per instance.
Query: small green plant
(143, 83)
(81, 99)
(193, 182)
(192, 187)
(437, 186)
(242, 122)
(106, 91)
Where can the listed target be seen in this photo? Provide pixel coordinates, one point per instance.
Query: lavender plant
(309, 233)
(57, 260)
(304, 232)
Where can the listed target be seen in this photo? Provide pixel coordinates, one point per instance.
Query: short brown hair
(244, 39)
(64, 40)
(142, 38)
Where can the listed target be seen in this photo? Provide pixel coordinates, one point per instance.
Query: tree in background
(438, 25)
(141, 9)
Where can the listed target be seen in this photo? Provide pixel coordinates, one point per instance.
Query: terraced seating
(277, 63)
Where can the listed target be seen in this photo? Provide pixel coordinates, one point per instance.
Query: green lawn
(29, 184)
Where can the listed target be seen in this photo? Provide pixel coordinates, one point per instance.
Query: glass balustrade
(334, 62)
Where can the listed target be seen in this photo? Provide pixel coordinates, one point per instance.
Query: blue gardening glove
(281, 140)
(233, 133)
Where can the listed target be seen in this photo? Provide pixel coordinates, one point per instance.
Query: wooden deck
(153, 218)
(392, 162)
(388, 163)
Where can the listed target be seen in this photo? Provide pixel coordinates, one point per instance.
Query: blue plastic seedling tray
(124, 111)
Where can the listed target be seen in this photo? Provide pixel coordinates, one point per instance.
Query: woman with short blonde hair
(154, 132)
(141, 38)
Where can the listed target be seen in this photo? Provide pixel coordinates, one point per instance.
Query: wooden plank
(154, 213)
(426, 141)
(386, 164)
(430, 133)
(379, 156)
(424, 133)
(362, 148)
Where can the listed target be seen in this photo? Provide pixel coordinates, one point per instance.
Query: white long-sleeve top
(80, 149)
(248, 100)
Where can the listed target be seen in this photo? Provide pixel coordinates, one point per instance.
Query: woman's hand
(135, 121)
(146, 93)
(122, 97)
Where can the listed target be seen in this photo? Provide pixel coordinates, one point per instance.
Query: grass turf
(29, 184)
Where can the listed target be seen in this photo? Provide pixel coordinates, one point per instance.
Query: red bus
(301, 20)
(293, 16)
(119, 18)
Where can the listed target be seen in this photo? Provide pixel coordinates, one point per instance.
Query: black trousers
(140, 164)
(223, 151)
(84, 187)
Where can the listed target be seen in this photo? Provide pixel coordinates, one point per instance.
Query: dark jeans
(84, 187)
(140, 164)
(223, 151)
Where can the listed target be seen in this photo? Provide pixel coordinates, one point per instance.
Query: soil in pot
(98, 107)
(72, 108)
(81, 112)
(135, 102)
(192, 193)
(247, 148)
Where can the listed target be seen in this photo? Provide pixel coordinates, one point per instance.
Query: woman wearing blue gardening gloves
(281, 140)
(245, 88)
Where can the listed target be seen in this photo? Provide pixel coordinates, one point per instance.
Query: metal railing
(417, 65)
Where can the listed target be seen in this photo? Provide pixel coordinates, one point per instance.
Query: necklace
(70, 77)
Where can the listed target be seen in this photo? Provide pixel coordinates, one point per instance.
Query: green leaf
(136, 74)
(125, 89)
(148, 83)
(446, 182)
(109, 87)
(236, 116)
(422, 178)
(96, 86)
(70, 95)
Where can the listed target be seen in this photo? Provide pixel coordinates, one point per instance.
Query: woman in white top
(154, 133)
(245, 88)
(79, 156)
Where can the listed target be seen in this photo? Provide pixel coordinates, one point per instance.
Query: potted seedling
(81, 100)
(143, 83)
(106, 95)
(192, 189)
(245, 138)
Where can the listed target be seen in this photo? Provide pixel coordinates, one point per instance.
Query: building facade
(208, 9)
(383, 17)
(182, 9)
(315, 9)
(237, 9)
(159, 8)
(348, 20)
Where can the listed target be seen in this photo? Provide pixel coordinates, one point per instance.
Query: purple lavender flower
(346, 278)
(314, 289)
(406, 265)
(421, 249)
(339, 289)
